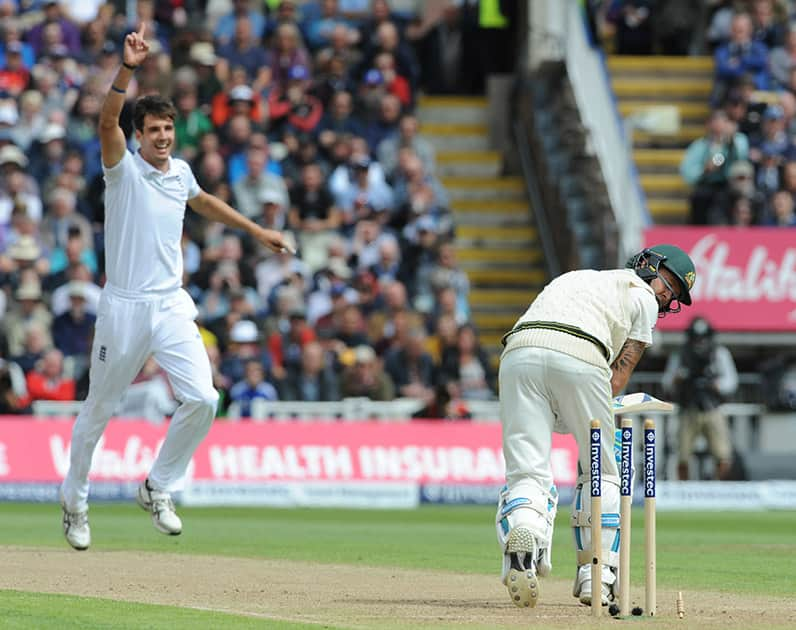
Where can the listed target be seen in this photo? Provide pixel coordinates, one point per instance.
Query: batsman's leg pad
(537, 514)
(581, 521)
(583, 586)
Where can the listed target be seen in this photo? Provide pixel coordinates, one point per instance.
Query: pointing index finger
(141, 30)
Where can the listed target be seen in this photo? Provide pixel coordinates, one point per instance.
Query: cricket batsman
(564, 360)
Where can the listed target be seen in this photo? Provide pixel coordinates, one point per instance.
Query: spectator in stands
(740, 55)
(418, 195)
(314, 380)
(383, 324)
(394, 83)
(350, 331)
(68, 33)
(467, 372)
(244, 51)
(27, 310)
(286, 346)
(48, 153)
(73, 330)
(782, 60)
(740, 183)
(407, 137)
(17, 189)
(191, 123)
(254, 386)
(386, 124)
(365, 377)
(319, 31)
(412, 371)
(701, 375)
(634, 21)
(291, 107)
(781, 213)
(676, 26)
(339, 120)
(10, 400)
(226, 27)
(47, 380)
(238, 99)
(259, 184)
(741, 212)
(768, 22)
(244, 344)
(286, 52)
(707, 161)
(744, 109)
(313, 216)
(32, 120)
(768, 175)
(63, 223)
(773, 137)
(75, 272)
(387, 39)
(203, 57)
(361, 195)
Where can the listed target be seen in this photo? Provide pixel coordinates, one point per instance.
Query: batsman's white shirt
(143, 223)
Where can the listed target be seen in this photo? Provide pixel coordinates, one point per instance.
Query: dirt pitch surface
(344, 596)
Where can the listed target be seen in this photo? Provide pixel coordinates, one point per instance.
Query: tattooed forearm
(625, 363)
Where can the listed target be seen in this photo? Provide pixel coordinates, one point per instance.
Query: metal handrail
(539, 214)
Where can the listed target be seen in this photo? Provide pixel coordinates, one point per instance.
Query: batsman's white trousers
(542, 390)
(129, 328)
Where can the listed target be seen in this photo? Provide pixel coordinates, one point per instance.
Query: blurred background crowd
(301, 116)
(743, 170)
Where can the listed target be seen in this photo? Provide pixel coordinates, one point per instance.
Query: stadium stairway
(496, 242)
(641, 83)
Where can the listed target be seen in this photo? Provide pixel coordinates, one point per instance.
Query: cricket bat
(639, 403)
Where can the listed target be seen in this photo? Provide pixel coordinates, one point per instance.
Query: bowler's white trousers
(544, 390)
(129, 328)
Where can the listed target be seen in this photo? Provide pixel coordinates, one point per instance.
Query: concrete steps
(684, 83)
(496, 241)
(468, 163)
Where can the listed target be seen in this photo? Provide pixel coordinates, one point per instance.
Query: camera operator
(700, 376)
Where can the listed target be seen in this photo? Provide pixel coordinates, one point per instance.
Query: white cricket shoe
(521, 580)
(76, 529)
(160, 505)
(582, 587)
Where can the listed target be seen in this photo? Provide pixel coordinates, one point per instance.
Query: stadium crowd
(301, 116)
(742, 171)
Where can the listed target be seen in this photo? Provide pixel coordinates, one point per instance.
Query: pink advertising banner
(745, 277)
(419, 451)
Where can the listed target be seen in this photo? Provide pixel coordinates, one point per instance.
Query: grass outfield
(726, 552)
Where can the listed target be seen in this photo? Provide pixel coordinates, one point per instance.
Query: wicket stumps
(595, 484)
(625, 505)
(650, 591)
(625, 509)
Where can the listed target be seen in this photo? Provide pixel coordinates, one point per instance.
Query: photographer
(707, 162)
(700, 377)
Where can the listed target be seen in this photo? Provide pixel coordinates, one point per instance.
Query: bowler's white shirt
(144, 211)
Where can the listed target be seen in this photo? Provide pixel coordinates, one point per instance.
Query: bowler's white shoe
(76, 529)
(582, 588)
(521, 580)
(160, 505)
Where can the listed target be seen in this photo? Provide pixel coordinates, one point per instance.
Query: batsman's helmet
(647, 262)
